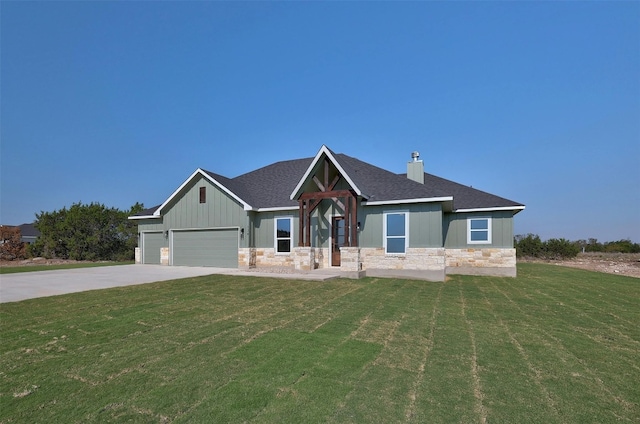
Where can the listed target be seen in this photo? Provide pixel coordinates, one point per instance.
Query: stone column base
(304, 258)
(350, 264)
(164, 256)
(247, 257)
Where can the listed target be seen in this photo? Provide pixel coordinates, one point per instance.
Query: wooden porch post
(307, 214)
(347, 220)
(301, 224)
(354, 221)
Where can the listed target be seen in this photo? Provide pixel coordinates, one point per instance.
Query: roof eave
(277, 208)
(144, 217)
(492, 209)
(408, 201)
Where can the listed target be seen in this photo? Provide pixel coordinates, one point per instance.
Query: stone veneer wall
(138, 258)
(266, 257)
(355, 260)
(302, 258)
(481, 258)
(420, 258)
(486, 261)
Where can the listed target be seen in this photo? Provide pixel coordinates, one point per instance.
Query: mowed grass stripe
(587, 328)
(338, 365)
(382, 327)
(560, 350)
(547, 408)
(446, 392)
(478, 393)
(616, 290)
(224, 349)
(596, 325)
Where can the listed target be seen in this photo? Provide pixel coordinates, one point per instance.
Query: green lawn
(32, 268)
(554, 345)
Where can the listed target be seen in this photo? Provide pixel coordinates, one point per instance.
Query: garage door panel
(218, 248)
(151, 245)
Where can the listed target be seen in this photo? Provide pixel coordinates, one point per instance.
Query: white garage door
(217, 248)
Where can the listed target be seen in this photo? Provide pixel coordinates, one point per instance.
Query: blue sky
(119, 102)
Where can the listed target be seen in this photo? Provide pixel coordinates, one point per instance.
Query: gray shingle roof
(271, 186)
(378, 184)
(147, 212)
(29, 230)
(465, 197)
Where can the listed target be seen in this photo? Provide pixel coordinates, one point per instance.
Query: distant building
(29, 233)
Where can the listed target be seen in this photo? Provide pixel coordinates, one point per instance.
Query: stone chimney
(415, 168)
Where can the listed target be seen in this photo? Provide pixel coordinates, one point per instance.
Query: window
(479, 230)
(283, 235)
(203, 195)
(395, 226)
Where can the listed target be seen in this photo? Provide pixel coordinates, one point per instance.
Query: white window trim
(406, 231)
(275, 235)
(489, 232)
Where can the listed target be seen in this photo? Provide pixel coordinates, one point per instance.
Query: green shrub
(560, 249)
(529, 245)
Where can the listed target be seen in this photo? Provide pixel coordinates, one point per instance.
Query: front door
(337, 239)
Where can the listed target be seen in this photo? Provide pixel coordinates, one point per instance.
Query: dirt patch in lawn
(610, 263)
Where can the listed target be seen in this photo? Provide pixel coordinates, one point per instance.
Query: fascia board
(144, 217)
(314, 162)
(502, 208)
(215, 182)
(276, 209)
(407, 201)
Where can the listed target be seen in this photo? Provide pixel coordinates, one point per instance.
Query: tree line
(530, 245)
(83, 232)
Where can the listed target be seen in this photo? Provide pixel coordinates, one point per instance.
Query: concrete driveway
(29, 285)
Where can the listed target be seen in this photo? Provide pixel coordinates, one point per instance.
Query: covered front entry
(326, 193)
(217, 248)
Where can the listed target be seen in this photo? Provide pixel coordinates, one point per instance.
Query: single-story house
(29, 233)
(332, 211)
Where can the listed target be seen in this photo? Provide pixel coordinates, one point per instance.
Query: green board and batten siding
(264, 232)
(202, 234)
(425, 224)
(455, 227)
(219, 210)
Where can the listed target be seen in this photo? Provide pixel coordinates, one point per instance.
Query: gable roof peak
(334, 159)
